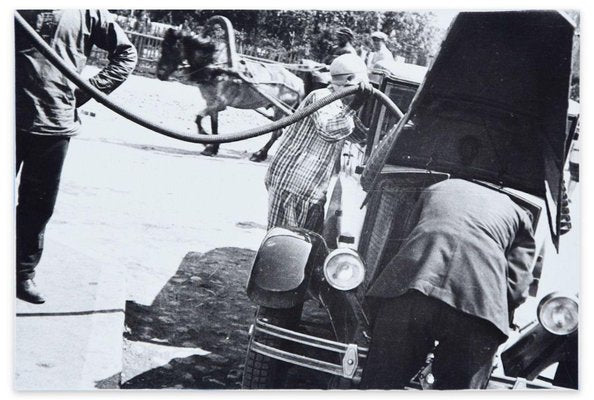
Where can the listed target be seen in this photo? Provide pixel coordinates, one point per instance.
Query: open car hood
(494, 104)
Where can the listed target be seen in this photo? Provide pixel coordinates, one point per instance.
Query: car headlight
(558, 314)
(343, 269)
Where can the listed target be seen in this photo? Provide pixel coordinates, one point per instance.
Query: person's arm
(106, 34)
(519, 261)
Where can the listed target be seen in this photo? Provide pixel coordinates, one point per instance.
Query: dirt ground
(203, 305)
(133, 207)
(146, 231)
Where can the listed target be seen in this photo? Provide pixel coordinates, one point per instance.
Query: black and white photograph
(326, 199)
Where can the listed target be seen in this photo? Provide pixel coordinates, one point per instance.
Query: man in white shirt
(381, 53)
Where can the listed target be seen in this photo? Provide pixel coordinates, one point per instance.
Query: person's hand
(364, 92)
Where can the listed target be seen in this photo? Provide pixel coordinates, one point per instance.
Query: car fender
(282, 268)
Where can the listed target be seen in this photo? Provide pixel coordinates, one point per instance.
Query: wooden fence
(273, 54)
(149, 51)
(147, 46)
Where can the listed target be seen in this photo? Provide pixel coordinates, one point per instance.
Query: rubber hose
(102, 98)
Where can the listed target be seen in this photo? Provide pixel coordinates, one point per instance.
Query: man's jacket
(45, 99)
(471, 247)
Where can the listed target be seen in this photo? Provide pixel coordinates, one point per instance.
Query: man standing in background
(46, 116)
(380, 54)
(345, 38)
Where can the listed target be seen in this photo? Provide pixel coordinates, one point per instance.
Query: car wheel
(263, 372)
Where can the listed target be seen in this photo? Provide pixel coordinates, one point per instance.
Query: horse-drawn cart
(225, 78)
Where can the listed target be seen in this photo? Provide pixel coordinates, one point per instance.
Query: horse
(222, 87)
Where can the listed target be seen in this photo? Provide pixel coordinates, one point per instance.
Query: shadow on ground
(111, 382)
(230, 154)
(204, 305)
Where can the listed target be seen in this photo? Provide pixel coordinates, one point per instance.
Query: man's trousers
(40, 159)
(405, 331)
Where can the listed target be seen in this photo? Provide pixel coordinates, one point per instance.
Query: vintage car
(499, 86)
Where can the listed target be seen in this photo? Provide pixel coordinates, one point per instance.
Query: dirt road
(134, 212)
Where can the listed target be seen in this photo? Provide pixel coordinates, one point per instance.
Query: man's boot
(27, 291)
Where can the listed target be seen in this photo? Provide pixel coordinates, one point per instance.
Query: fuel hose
(102, 98)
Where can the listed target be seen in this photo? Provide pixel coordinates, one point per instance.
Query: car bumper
(349, 354)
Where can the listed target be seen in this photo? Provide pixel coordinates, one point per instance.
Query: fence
(273, 54)
(149, 51)
(147, 46)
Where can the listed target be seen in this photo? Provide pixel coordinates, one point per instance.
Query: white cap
(347, 70)
(379, 35)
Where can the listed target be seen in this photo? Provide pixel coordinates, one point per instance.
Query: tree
(311, 32)
(575, 57)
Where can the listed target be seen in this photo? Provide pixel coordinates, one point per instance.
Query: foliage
(310, 33)
(575, 59)
(295, 34)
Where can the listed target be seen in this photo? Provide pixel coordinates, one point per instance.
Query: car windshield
(376, 116)
(401, 94)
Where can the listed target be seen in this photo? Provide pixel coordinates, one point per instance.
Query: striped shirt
(309, 148)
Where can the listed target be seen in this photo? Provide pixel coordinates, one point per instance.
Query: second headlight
(344, 269)
(558, 313)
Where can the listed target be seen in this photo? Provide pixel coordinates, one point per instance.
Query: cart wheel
(263, 372)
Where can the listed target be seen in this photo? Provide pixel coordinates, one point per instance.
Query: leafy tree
(310, 33)
(575, 57)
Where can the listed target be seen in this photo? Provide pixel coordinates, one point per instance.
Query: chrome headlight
(343, 269)
(558, 314)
